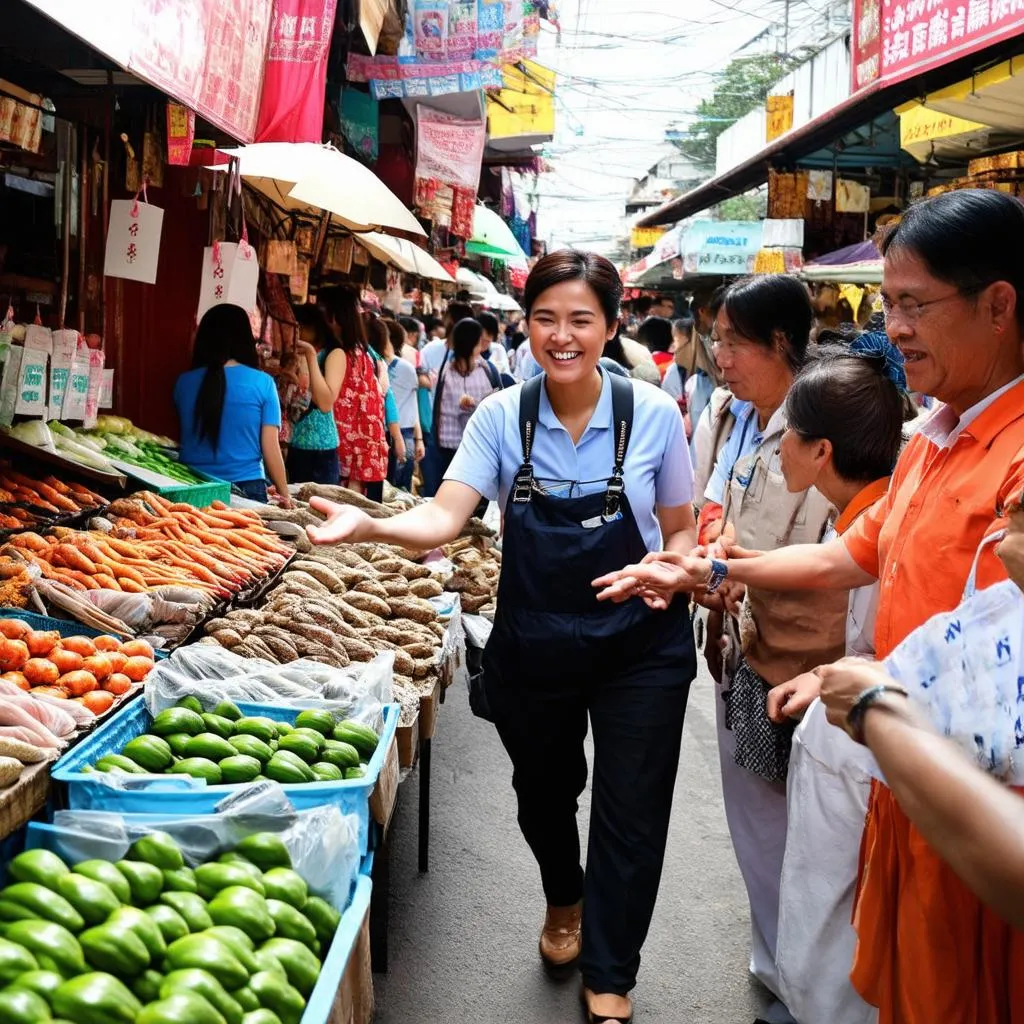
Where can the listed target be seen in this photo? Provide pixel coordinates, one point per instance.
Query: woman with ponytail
(229, 410)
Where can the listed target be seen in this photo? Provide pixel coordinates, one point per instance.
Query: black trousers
(636, 702)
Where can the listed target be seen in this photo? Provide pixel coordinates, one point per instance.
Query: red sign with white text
(295, 80)
(896, 39)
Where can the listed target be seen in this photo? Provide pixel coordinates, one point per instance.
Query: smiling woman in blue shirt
(591, 470)
(229, 410)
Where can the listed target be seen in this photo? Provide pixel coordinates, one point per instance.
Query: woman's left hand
(400, 449)
(419, 451)
(661, 575)
(843, 682)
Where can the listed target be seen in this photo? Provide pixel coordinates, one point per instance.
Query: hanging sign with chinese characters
(778, 116)
(896, 39)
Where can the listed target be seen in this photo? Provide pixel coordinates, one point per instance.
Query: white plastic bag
(213, 674)
(965, 668)
(323, 842)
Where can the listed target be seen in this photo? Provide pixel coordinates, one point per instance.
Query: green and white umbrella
(492, 237)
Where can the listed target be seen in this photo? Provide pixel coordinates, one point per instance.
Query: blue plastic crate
(321, 999)
(176, 794)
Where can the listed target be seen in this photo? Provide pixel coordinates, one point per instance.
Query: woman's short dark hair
(573, 265)
(376, 333)
(489, 322)
(410, 325)
(656, 333)
(224, 334)
(308, 315)
(466, 335)
(343, 307)
(846, 398)
(683, 324)
(397, 333)
(760, 308)
(969, 239)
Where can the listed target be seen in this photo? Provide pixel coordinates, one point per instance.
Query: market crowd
(828, 511)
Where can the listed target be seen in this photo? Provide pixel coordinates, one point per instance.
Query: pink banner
(295, 80)
(896, 39)
(449, 149)
(208, 54)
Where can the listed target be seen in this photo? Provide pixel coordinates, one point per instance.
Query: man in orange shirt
(953, 291)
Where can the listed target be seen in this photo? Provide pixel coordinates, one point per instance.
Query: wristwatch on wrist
(719, 573)
(868, 699)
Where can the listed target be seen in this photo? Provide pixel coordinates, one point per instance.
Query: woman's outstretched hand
(345, 523)
(656, 579)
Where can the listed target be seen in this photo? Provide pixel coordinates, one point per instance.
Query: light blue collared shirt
(744, 439)
(658, 471)
(526, 365)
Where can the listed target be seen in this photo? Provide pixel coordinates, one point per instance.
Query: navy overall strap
(529, 413)
(622, 422)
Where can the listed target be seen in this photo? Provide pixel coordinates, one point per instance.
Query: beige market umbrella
(307, 178)
(405, 255)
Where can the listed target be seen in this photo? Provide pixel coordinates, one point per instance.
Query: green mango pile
(225, 746)
(149, 940)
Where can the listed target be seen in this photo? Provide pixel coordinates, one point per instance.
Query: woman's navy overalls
(557, 654)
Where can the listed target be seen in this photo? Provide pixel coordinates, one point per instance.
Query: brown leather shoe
(561, 939)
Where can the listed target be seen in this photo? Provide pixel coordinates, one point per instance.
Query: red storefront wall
(149, 327)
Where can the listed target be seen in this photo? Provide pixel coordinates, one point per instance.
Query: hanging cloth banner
(181, 133)
(449, 149)
(295, 78)
(360, 122)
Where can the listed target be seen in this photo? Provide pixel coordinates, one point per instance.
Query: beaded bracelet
(870, 697)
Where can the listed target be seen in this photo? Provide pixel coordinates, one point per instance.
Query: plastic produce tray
(320, 1005)
(173, 794)
(199, 495)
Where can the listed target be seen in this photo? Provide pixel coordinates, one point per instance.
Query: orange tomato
(117, 684)
(79, 644)
(14, 629)
(79, 683)
(107, 643)
(117, 660)
(137, 649)
(97, 701)
(41, 642)
(66, 661)
(99, 665)
(17, 678)
(40, 672)
(138, 668)
(13, 654)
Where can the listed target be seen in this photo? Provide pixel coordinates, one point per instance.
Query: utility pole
(785, 29)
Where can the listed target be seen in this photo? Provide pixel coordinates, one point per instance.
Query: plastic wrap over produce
(323, 842)
(213, 674)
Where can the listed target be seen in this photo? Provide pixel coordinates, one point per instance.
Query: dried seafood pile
(339, 605)
(476, 575)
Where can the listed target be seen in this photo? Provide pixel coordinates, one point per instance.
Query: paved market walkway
(464, 936)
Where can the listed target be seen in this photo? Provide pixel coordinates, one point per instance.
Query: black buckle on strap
(613, 497)
(522, 485)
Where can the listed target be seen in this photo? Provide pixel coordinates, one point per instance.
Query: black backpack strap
(529, 413)
(622, 425)
(492, 372)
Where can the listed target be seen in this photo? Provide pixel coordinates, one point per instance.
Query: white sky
(627, 69)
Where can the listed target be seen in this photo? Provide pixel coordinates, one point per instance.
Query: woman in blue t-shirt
(229, 410)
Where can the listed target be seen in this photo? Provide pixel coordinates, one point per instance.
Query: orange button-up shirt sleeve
(861, 539)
